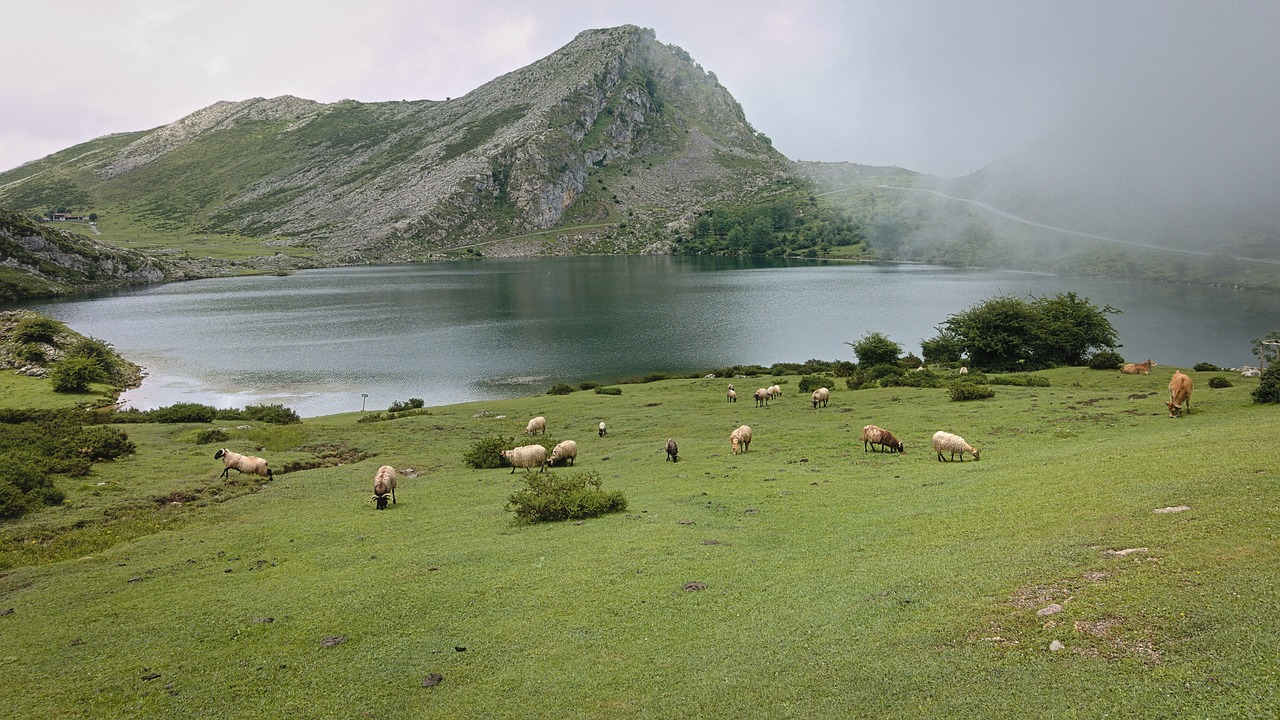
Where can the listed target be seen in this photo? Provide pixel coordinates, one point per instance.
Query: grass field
(838, 583)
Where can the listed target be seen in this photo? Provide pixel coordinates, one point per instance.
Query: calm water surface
(317, 341)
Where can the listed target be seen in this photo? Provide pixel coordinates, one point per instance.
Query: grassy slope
(843, 584)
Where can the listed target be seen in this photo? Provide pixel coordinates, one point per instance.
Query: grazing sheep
(731, 396)
(527, 457)
(964, 371)
(244, 464)
(775, 391)
(730, 386)
(762, 397)
(872, 435)
(566, 451)
(673, 452)
(603, 430)
(740, 439)
(536, 425)
(384, 482)
(1179, 393)
(821, 395)
(1143, 368)
(946, 442)
(1247, 371)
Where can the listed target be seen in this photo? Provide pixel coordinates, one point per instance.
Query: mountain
(616, 140)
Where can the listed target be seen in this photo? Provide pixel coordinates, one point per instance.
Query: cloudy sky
(939, 86)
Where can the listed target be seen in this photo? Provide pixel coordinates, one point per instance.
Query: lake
(336, 340)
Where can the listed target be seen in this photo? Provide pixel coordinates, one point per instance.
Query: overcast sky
(938, 86)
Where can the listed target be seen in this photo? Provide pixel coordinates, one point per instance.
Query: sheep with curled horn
(384, 484)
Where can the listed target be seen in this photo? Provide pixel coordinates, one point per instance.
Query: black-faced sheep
(740, 439)
(536, 425)
(245, 464)
(564, 452)
(762, 397)
(1179, 393)
(384, 483)
(673, 452)
(821, 395)
(946, 442)
(527, 457)
(872, 436)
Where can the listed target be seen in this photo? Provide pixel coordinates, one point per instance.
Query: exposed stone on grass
(1056, 645)
(432, 679)
(332, 641)
(1051, 609)
(1174, 509)
(1123, 553)
(693, 586)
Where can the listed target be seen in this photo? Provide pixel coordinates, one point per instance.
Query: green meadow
(805, 578)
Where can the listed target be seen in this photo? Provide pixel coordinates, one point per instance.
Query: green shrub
(809, 383)
(876, 349)
(560, 389)
(608, 391)
(212, 435)
(486, 453)
(589, 385)
(372, 418)
(29, 352)
(274, 414)
(1018, 379)
(75, 374)
(183, 413)
(1205, 367)
(548, 497)
(99, 442)
(38, 330)
(1268, 390)
(410, 404)
(1106, 360)
(969, 391)
(1218, 382)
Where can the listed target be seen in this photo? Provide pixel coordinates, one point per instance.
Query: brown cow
(1179, 393)
(1138, 368)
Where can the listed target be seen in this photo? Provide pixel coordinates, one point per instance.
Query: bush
(1008, 333)
(1268, 390)
(560, 389)
(30, 353)
(608, 391)
(410, 404)
(968, 391)
(182, 413)
(99, 442)
(589, 385)
(1018, 379)
(486, 453)
(38, 330)
(1205, 367)
(274, 414)
(1218, 382)
(212, 435)
(74, 374)
(548, 497)
(1106, 360)
(809, 383)
(876, 349)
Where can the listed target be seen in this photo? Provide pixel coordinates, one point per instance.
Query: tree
(1008, 333)
(875, 349)
(945, 348)
(1267, 355)
(1268, 390)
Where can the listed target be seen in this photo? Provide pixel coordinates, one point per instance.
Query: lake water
(319, 341)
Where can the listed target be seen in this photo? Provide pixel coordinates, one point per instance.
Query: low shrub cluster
(410, 404)
(383, 417)
(809, 383)
(1205, 367)
(1268, 390)
(486, 453)
(32, 452)
(966, 390)
(197, 413)
(1018, 379)
(548, 497)
(608, 390)
(1218, 382)
(1106, 360)
(561, 389)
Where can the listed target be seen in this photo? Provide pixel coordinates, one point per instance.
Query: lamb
(774, 391)
(1143, 368)
(1179, 393)
(536, 425)
(527, 457)
(244, 464)
(762, 397)
(740, 438)
(673, 452)
(384, 481)
(946, 442)
(820, 396)
(872, 435)
(731, 396)
(603, 430)
(566, 451)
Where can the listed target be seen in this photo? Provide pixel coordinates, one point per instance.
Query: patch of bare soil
(326, 455)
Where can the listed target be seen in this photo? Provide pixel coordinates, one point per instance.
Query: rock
(1174, 509)
(1056, 645)
(333, 641)
(1123, 553)
(1053, 609)
(694, 586)
(432, 679)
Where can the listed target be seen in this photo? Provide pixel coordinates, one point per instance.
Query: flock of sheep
(566, 452)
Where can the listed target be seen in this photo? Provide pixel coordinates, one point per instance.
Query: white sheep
(244, 464)
(964, 371)
(673, 452)
(774, 391)
(536, 425)
(762, 397)
(740, 439)
(527, 457)
(566, 451)
(821, 395)
(731, 396)
(603, 431)
(946, 442)
(384, 482)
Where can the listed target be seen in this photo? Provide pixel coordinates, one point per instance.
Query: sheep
(603, 430)
(384, 481)
(673, 452)
(820, 396)
(731, 396)
(1247, 371)
(730, 386)
(536, 425)
(774, 391)
(762, 397)
(964, 371)
(527, 457)
(564, 451)
(740, 438)
(946, 442)
(244, 464)
(1179, 393)
(1143, 368)
(872, 435)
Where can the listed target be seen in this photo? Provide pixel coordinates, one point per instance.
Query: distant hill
(616, 139)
